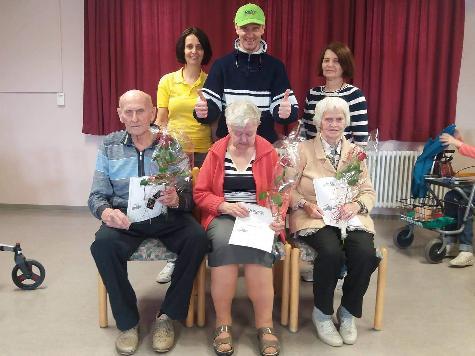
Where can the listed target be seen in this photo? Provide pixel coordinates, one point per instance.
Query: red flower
(286, 161)
(164, 138)
(361, 156)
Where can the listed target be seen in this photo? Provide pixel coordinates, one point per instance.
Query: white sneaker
(307, 276)
(451, 250)
(463, 259)
(347, 329)
(165, 274)
(326, 330)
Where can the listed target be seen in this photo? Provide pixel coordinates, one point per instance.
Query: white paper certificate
(139, 195)
(331, 194)
(254, 231)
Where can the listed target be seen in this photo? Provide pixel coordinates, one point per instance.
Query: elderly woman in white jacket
(321, 157)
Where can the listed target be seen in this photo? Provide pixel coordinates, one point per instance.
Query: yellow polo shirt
(180, 98)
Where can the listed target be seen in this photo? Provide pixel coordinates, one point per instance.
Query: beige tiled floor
(429, 310)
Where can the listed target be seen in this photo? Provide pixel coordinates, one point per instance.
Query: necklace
(324, 89)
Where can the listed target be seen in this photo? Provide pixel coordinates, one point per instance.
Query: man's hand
(201, 106)
(349, 210)
(285, 107)
(115, 218)
(169, 197)
(313, 210)
(233, 209)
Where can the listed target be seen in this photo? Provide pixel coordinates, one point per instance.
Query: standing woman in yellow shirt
(177, 92)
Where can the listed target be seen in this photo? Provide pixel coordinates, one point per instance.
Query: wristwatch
(363, 209)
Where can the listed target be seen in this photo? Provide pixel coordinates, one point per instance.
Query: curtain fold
(407, 53)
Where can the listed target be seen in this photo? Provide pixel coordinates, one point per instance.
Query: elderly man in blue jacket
(123, 155)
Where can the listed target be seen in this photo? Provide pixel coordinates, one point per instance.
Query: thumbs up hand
(201, 106)
(285, 107)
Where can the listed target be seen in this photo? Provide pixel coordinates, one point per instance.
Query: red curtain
(407, 52)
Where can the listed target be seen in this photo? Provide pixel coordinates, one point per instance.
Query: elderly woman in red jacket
(237, 168)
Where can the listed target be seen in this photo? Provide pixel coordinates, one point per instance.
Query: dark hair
(345, 58)
(180, 45)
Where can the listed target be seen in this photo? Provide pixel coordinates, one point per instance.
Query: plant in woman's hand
(285, 174)
(352, 171)
(349, 176)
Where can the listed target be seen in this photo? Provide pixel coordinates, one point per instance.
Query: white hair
(240, 112)
(331, 103)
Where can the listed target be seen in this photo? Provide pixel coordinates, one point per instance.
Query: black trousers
(180, 233)
(359, 255)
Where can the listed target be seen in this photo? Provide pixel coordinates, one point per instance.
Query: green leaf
(277, 199)
(263, 195)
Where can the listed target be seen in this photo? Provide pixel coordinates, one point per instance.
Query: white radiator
(391, 174)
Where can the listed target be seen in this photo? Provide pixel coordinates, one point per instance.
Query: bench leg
(102, 292)
(284, 310)
(294, 290)
(200, 313)
(380, 288)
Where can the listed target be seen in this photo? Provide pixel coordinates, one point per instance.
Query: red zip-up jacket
(208, 192)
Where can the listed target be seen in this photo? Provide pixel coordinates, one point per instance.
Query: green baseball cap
(249, 13)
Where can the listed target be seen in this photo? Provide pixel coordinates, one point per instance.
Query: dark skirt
(222, 253)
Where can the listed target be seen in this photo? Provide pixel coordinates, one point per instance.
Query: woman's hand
(277, 225)
(233, 209)
(313, 210)
(349, 210)
(447, 139)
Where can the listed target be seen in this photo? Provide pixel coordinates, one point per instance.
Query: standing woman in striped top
(336, 64)
(237, 168)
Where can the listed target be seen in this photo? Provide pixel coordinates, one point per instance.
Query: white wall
(46, 160)
(465, 118)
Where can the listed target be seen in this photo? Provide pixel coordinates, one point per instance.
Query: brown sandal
(264, 344)
(227, 340)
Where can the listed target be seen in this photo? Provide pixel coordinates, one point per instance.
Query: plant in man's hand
(170, 163)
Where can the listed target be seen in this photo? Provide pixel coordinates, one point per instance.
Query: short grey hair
(331, 103)
(241, 112)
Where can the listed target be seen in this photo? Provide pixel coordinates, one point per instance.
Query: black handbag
(443, 164)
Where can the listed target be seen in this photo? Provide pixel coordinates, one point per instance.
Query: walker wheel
(403, 237)
(31, 282)
(432, 251)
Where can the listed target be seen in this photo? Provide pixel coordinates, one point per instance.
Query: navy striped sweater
(258, 77)
(357, 131)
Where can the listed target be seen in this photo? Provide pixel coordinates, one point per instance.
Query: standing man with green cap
(248, 73)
